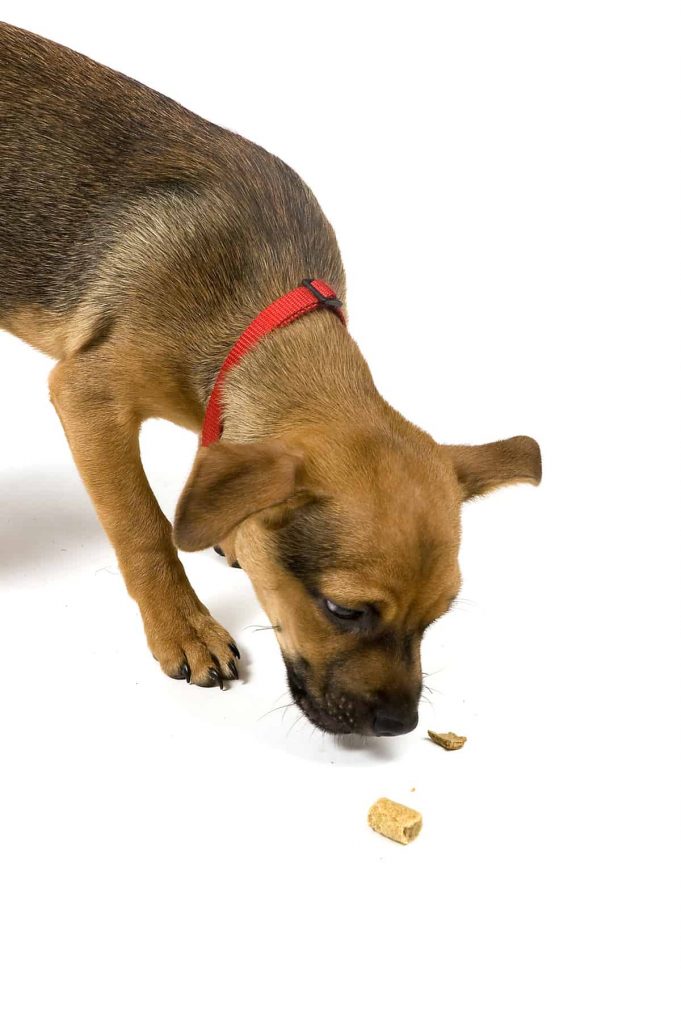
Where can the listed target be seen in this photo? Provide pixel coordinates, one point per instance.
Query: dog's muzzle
(342, 713)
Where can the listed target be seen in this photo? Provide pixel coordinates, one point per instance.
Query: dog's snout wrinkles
(389, 722)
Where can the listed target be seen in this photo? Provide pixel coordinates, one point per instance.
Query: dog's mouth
(331, 715)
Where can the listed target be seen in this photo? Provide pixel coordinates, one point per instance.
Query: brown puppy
(137, 241)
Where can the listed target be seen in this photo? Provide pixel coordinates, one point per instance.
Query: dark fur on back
(82, 146)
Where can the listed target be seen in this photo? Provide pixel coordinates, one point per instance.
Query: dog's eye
(348, 614)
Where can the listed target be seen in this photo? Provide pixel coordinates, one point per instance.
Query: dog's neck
(307, 376)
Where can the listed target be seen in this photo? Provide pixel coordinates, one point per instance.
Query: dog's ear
(483, 467)
(227, 484)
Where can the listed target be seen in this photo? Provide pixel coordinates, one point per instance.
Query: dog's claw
(214, 675)
(218, 550)
(235, 650)
(199, 651)
(233, 669)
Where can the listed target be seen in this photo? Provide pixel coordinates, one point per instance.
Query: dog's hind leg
(102, 427)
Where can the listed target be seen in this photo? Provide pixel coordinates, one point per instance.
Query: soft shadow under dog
(43, 513)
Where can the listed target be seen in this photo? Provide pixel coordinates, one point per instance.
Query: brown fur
(136, 243)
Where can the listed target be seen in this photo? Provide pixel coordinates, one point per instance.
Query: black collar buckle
(332, 301)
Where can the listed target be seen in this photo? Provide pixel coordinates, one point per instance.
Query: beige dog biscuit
(448, 740)
(395, 821)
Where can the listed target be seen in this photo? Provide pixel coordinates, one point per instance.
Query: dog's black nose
(388, 722)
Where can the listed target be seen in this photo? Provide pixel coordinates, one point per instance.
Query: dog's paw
(193, 647)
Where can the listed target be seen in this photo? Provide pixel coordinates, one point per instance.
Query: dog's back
(81, 145)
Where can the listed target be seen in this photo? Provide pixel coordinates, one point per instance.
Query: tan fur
(136, 243)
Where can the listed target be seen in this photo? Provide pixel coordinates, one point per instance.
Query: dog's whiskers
(281, 707)
(431, 689)
(298, 720)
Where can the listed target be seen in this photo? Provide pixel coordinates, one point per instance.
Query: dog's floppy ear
(227, 484)
(483, 467)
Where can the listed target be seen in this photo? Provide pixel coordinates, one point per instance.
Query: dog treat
(395, 821)
(448, 740)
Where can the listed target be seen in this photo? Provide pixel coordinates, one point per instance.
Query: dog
(138, 242)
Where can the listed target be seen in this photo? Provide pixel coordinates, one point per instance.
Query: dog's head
(352, 545)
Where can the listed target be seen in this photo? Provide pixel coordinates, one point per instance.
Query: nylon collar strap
(311, 294)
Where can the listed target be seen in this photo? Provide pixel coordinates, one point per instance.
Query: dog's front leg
(102, 427)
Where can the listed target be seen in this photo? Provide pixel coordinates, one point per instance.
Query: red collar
(309, 295)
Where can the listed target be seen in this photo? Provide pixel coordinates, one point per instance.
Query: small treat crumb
(448, 740)
(413, 789)
(395, 821)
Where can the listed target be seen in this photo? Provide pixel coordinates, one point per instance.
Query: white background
(504, 182)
